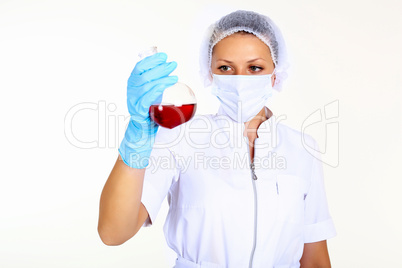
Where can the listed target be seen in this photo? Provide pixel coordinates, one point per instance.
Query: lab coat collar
(267, 132)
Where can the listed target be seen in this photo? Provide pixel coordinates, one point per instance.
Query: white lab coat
(219, 216)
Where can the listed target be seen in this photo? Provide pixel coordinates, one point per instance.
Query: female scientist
(242, 189)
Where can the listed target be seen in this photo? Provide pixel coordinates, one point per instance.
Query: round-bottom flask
(177, 107)
(178, 103)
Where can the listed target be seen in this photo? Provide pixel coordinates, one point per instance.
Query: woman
(266, 210)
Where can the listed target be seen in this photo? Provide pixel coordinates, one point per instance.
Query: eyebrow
(256, 59)
(228, 61)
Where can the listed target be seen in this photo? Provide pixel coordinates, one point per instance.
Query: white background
(55, 55)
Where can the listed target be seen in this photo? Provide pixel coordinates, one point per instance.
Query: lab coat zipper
(253, 179)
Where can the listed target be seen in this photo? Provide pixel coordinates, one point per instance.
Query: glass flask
(178, 104)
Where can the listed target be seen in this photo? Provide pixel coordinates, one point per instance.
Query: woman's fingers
(149, 63)
(153, 74)
(150, 93)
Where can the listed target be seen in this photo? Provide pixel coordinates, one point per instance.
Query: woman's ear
(210, 76)
(273, 78)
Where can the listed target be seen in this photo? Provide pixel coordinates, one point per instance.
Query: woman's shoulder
(294, 136)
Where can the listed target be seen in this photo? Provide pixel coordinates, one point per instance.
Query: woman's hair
(249, 22)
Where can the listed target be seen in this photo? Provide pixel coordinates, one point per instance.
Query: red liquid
(171, 116)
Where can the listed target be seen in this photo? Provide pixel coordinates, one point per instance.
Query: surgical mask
(242, 96)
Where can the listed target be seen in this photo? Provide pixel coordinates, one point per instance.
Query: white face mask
(242, 96)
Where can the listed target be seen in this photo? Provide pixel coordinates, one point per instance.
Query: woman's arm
(121, 213)
(315, 255)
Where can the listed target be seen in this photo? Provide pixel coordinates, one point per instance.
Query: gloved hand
(145, 86)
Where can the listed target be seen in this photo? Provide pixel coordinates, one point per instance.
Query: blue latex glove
(145, 86)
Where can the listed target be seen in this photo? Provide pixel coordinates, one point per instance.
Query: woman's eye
(255, 68)
(224, 68)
